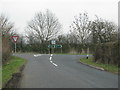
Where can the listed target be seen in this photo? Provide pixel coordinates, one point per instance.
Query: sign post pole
(53, 42)
(15, 47)
(15, 38)
(50, 47)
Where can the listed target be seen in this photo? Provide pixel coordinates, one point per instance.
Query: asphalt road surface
(63, 71)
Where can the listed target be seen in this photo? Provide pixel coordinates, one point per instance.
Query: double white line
(52, 61)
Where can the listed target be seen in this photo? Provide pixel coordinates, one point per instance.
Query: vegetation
(98, 37)
(12, 66)
(83, 34)
(107, 53)
(108, 67)
(72, 53)
(6, 28)
(0, 77)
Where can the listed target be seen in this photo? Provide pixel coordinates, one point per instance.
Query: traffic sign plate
(15, 38)
(53, 42)
(54, 46)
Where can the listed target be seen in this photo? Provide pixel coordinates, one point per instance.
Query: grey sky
(22, 11)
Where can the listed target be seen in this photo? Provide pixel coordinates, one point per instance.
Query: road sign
(51, 46)
(54, 46)
(53, 42)
(58, 46)
(15, 38)
(48, 46)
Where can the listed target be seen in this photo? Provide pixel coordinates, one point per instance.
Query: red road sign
(15, 38)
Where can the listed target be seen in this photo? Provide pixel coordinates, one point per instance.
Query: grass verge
(70, 54)
(106, 67)
(12, 66)
(0, 77)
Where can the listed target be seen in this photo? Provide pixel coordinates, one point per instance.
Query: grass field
(12, 66)
(107, 67)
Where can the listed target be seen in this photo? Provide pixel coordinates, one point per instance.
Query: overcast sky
(22, 11)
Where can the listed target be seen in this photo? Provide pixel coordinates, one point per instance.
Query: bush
(107, 53)
(6, 49)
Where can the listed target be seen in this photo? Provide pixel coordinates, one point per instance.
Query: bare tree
(44, 26)
(5, 25)
(103, 31)
(6, 28)
(81, 27)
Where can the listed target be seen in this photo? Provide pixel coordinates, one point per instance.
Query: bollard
(87, 57)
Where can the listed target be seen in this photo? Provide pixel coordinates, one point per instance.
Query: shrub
(6, 49)
(107, 53)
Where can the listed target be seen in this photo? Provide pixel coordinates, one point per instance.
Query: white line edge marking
(50, 58)
(51, 61)
(55, 64)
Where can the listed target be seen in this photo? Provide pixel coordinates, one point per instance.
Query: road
(63, 71)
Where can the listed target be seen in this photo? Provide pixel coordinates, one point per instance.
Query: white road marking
(52, 61)
(50, 58)
(55, 64)
(37, 55)
(34, 55)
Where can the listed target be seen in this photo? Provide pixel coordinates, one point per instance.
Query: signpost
(58, 46)
(54, 46)
(53, 42)
(15, 38)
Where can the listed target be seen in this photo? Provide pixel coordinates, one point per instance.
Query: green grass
(70, 54)
(0, 77)
(12, 66)
(107, 67)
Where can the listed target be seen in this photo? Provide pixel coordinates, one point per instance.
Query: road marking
(37, 55)
(50, 58)
(51, 61)
(55, 64)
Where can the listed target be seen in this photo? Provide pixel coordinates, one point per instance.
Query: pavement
(63, 71)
